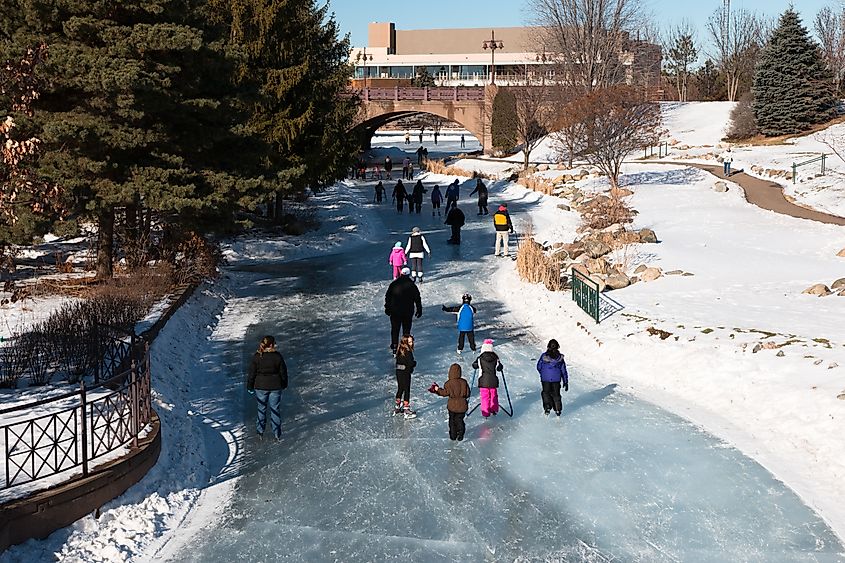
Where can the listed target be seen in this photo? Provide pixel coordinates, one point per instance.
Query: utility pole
(493, 44)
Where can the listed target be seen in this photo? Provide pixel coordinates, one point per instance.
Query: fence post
(134, 404)
(84, 425)
(598, 312)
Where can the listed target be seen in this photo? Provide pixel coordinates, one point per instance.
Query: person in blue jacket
(466, 321)
(553, 376)
(453, 194)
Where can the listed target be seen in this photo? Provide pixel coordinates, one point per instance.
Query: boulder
(640, 269)
(650, 274)
(838, 284)
(687, 274)
(564, 207)
(580, 268)
(841, 253)
(618, 281)
(675, 273)
(600, 282)
(597, 265)
(543, 167)
(841, 293)
(720, 187)
(648, 236)
(818, 289)
(634, 279)
(596, 249)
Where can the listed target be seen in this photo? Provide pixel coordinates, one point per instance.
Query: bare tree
(533, 116)
(568, 125)
(680, 52)
(616, 121)
(738, 37)
(830, 29)
(589, 38)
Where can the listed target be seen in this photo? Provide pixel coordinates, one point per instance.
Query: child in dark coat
(553, 376)
(457, 389)
(488, 381)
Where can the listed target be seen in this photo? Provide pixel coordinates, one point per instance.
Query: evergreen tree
(503, 127)
(423, 78)
(792, 86)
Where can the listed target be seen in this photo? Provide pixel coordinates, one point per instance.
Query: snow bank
(697, 123)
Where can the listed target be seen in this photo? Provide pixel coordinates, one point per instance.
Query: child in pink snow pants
(488, 381)
(397, 259)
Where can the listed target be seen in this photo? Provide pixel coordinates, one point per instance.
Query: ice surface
(614, 478)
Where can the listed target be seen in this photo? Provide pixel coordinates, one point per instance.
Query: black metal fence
(73, 432)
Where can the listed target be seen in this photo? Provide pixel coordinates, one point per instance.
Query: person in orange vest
(503, 225)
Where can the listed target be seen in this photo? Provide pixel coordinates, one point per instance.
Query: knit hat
(487, 346)
(406, 271)
(415, 231)
(502, 208)
(398, 244)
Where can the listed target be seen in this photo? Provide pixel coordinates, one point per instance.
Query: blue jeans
(727, 168)
(274, 399)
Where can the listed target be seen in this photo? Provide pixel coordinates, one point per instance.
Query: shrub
(604, 211)
(743, 122)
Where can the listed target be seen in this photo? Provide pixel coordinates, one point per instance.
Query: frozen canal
(613, 479)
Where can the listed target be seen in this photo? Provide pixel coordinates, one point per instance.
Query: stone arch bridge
(469, 107)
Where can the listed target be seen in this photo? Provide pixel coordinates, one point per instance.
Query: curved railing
(66, 436)
(401, 93)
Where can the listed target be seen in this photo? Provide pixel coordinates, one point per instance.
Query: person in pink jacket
(397, 259)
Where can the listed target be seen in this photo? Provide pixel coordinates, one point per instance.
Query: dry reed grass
(535, 266)
(537, 184)
(440, 167)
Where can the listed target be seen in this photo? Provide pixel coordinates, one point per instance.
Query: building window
(401, 72)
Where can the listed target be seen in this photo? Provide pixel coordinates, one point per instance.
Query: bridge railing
(399, 94)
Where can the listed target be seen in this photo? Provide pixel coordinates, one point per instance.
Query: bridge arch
(367, 129)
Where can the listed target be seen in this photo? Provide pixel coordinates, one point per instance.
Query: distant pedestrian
(411, 171)
(397, 259)
(481, 190)
(553, 376)
(406, 162)
(488, 382)
(268, 377)
(420, 156)
(455, 219)
(727, 159)
(436, 134)
(463, 141)
(436, 200)
(400, 194)
(503, 225)
(388, 166)
(380, 191)
(421, 135)
(457, 389)
(407, 138)
(417, 197)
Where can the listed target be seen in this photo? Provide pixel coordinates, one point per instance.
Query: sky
(354, 15)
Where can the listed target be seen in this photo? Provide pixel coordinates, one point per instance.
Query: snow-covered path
(615, 478)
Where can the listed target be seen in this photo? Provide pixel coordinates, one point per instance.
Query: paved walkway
(766, 194)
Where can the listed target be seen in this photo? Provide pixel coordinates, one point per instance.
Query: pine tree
(792, 86)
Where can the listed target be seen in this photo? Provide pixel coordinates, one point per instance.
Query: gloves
(433, 388)
(443, 307)
(566, 387)
(251, 391)
(500, 367)
(387, 312)
(419, 313)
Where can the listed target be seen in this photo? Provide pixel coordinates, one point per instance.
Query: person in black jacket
(488, 382)
(401, 299)
(455, 219)
(268, 376)
(482, 192)
(417, 196)
(400, 194)
(405, 364)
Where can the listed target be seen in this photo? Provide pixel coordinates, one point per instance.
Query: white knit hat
(487, 345)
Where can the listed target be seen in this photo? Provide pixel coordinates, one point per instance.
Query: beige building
(455, 57)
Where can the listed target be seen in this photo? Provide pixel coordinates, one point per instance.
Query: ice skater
(405, 364)
(456, 219)
(388, 167)
(400, 300)
(504, 227)
(453, 194)
(379, 195)
(481, 190)
(400, 194)
(397, 259)
(457, 389)
(416, 249)
(417, 194)
(466, 321)
(553, 376)
(268, 377)
(488, 383)
(436, 200)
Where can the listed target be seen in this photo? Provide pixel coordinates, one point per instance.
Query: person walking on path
(553, 375)
(436, 200)
(268, 377)
(457, 389)
(727, 159)
(400, 301)
(417, 196)
(397, 259)
(416, 249)
(463, 141)
(466, 321)
(455, 219)
(379, 195)
(405, 364)
(481, 190)
(405, 163)
(399, 196)
(488, 383)
(503, 225)
(453, 193)
(388, 166)
(407, 138)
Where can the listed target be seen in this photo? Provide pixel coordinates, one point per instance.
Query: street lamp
(493, 44)
(363, 57)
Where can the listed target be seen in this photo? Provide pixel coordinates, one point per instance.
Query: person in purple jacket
(553, 376)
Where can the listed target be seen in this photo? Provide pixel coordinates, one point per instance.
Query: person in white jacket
(727, 159)
(416, 249)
